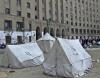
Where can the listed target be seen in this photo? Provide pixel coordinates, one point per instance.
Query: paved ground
(37, 72)
(95, 72)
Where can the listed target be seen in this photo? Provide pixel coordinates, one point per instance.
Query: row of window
(84, 31)
(19, 13)
(82, 8)
(18, 2)
(83, 1)
(82, 18)
(84, 25)
(93, 10)
(20, 40)
(19, 25)
(80, 14)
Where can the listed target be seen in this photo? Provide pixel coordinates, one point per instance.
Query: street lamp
(48, 24)
(23, 30)
(23, 35)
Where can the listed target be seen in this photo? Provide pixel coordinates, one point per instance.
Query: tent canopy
(47, 36)
(66, 60)
(24, 55)
(46, 42)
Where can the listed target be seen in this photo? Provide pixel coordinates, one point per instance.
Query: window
(35, 8)
(72, 30)
(28, 5)
(87, 19)
(84, 31)
(18, 2)
(83, 25)
(79, 24)
(76, 31)
(7, 11)
(71, 23)
(19, 26)
(67, 22)
(80, 31)
(76, 17)
(66, 8)
(91, 25)
(91, 31)
(82, 1)
(67, 15)
(79, 18)
(87, 31)
(7, 25)
(43, 18)
(76, 11)
(28, 15)
(87, 25)
(95, 32)
(76, 23)
(76, 37)
(94, 26)
(30, 27)
(18, 13)
(71, 18)
(62, 21)
(71, 3)
(83, 18)
(35, 17)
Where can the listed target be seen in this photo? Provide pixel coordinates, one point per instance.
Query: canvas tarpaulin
(24, 55)
(64, 60)
(82, 52)
(46, 42)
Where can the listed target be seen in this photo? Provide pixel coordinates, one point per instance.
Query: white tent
(19, 56)
(46, 42)
(81, 51)
(64, 60)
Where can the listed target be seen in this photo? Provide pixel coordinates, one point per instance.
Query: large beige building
(62, 18)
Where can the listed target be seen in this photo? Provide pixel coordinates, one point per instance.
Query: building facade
(62, 18)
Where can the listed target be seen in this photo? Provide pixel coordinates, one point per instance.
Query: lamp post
(48, 25)
(23, 35)
(23, 30)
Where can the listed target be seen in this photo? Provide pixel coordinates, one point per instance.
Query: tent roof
(26, 52)
(81, 51)
(47, 36)
(71, 52)
(66, 59)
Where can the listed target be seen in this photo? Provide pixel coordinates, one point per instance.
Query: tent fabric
(46, 42)
(47, 36)
(81, 51)
(64, 60)
(19, 56)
